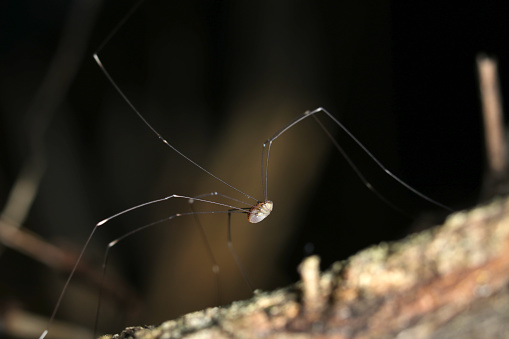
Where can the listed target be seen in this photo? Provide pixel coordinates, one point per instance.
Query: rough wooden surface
(447, 282)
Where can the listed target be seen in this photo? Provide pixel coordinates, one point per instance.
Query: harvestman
(256, 212)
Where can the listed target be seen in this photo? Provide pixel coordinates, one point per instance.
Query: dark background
(217, 79)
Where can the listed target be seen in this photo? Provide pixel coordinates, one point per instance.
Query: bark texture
(450, 281)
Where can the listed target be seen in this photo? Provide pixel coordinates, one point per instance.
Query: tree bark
(450, 281)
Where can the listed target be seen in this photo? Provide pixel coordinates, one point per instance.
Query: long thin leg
(103, 276)
(114, 242)
(217, 194)
(159, 136)
(215, 266)
(268, 144)
(234, 253)
(139, 229)
(358, 172)
(135, 110)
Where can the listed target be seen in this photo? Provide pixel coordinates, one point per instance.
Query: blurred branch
(20, 324)
(61, 260)
(496, 179)
(61, 72)
(65, 64)
(23, 241)
(449, 281)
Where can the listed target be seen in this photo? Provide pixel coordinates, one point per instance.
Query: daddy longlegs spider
(255, 209)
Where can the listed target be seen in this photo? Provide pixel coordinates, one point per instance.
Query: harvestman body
(260, 211)
(257, 212)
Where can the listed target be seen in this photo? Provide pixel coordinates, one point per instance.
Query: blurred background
(217, 79)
